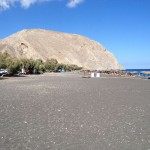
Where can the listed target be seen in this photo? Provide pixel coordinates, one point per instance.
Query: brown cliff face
(66, 48)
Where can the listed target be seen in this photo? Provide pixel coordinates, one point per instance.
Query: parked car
(3, 71)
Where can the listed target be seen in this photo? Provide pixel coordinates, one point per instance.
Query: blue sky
(122, 26)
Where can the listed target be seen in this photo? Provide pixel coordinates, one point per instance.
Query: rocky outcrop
(66, 48)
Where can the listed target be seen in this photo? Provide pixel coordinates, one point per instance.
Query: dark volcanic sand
(67, 112)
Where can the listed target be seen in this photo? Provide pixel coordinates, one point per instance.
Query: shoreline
(79, 74)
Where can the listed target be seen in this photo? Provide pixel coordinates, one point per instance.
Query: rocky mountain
(66, 48)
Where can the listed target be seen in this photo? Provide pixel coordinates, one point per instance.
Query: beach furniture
(92, 75)
(97, 74)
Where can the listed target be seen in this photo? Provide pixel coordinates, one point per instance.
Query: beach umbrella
(146, 72)
(85, 71)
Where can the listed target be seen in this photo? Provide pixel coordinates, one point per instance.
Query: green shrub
(14, 65)
(51, 65)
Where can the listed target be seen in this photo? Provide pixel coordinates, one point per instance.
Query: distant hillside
(66, 48)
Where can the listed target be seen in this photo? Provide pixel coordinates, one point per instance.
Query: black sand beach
(67, 112)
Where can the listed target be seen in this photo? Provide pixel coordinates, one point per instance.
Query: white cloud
(6, 4)
(27, 3)
(74, 3)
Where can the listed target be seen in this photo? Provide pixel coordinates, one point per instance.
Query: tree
(13, 65)
(39, 66)
(28, 64)
(3, 58)
(51, 64)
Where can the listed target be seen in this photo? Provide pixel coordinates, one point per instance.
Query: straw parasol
(146, 72)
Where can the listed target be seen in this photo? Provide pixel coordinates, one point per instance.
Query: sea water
(139, 72)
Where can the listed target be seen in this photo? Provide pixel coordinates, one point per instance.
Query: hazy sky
(122, 26)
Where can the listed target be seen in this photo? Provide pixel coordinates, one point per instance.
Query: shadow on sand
(14, 76)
